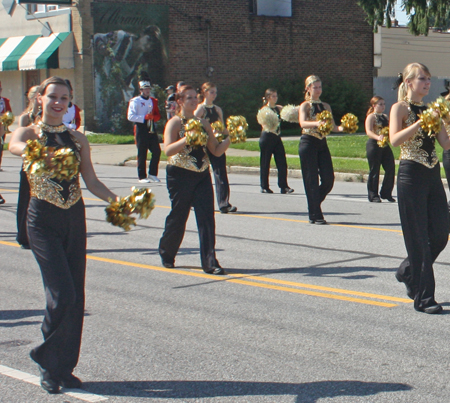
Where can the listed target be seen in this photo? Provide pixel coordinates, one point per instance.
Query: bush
(245, 98)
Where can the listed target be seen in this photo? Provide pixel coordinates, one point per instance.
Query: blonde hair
(310, 80)
(31, 95)
(411, 71)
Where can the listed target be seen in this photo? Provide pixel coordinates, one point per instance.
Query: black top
(211, 114)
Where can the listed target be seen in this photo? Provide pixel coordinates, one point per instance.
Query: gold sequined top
(191, 158)
(63, 194)
(314, 110)
(420, 147)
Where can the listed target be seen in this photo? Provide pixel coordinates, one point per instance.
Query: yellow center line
(236, 278)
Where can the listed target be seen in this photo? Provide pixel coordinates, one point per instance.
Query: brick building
(225, 41)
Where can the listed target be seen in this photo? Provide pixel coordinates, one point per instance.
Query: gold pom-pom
(430, 122)
(218, 129)
(195, 133)
(7, 119)
(289, 113)
(237, 127)
(268, 119)
(117, 213)
(327, 125)
(443, 106)
(350, 123)
(385, 141)
(141, 201)
(34, 158)
(64, 164)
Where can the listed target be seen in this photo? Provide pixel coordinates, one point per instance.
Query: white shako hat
(144, 84)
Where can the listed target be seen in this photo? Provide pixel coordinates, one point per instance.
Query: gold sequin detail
(45, 188)
(184, 159)
(411, 149)
(313, 131)
(52, 129)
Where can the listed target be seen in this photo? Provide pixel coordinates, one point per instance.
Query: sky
(400, 15)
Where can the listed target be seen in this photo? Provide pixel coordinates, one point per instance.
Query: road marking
(331, 293)
(34, 380)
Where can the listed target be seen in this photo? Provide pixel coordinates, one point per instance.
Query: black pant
(58, 241)
(22, 208)
(270, 143)
(219, 166)
(380, 156)
(315, 160)
(146, 141)
(425, 221)
(189, 189)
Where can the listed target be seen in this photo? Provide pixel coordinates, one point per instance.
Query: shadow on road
(308, 392)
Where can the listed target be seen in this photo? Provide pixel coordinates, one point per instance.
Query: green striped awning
(36, 52)
(12, 49)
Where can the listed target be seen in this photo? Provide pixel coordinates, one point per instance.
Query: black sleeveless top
(211, 114)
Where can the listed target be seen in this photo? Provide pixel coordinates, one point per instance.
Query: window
(271, 8)
(45, 10)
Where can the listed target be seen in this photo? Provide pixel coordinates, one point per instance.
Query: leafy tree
(420, 12)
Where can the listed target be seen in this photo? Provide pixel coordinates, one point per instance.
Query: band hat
(144, 84)
(170, 88)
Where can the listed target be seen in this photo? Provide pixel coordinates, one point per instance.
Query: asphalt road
(306, 313)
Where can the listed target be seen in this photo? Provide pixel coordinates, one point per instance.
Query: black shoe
(229, 209)
(48, 382)
(409, 291)
(25, 246)
(320, 221)
(390, 199)
(434, 309)
(167, 265)
(70, 381)
(2, 200)
(375, 199)
(266, 190)
(215, 270)
(287, 191)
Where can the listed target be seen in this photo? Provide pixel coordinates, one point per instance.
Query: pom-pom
(430, 122)
(195, 133)
(64, 164)
(350, 123)
(237, 127)
(289, 113)
(218, 128)
(327, 125)
(443, 106)
(34, 158)
(385, 141)
(141, 201)
(268, 119)
(7, 119)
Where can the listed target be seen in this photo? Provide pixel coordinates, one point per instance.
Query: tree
(420, 13)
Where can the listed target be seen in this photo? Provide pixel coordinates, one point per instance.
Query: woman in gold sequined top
(57, 236)
(379, 153)
(315, 157)
(421, 198)
(189, 184)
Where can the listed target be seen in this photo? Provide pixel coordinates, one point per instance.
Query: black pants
(189, 189)
(58, 241)
(380, 156)
(425, 221)
(315, 160)
(146, 141)
(22, 208)
(270, 143)
(219, 166)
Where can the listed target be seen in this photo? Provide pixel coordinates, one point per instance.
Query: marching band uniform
(380, 156)
(145, 133)
(315, 160)
(57, 235)
(189, 185)
(423, 212)
(219, 165)
(271, 143)
(72, 118)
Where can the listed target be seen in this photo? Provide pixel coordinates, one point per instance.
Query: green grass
(105, 138)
